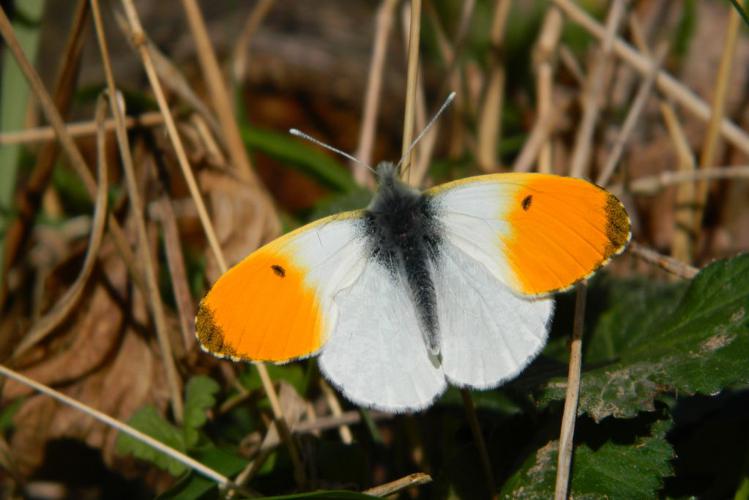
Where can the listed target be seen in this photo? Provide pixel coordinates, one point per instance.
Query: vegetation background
(112, 231)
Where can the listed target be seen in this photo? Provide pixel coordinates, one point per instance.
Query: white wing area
(376, 355)
(472, 215)
(488, 334)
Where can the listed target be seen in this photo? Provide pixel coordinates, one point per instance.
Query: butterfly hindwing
(377, 356)
(536, 233)
(488, 334)
(276, 304)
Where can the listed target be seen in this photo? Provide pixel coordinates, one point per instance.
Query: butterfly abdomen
(402, 235)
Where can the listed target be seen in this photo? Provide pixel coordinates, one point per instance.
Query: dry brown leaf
(242, 215)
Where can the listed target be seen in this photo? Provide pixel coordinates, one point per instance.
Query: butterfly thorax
(403, 237)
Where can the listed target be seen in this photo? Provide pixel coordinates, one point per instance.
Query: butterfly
(421, 289)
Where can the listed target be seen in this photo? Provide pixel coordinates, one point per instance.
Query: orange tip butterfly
(421, 289)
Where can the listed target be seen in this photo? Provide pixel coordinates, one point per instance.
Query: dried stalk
(393, 487)
(670, 264)
(116, 104)
(666, 84)
(383, 28)
(411, 83)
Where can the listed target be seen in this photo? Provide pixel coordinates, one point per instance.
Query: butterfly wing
(488, 333)
(536, 233)
(277, 304)
(377, 356)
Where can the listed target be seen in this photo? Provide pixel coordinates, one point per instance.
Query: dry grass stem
(567, 434)
(368, 129)
(335, 408)
(393, 487)
(122, 427)
(490, 114)
(717, 111)
(240, 54)
(68, 146)
(665, 262)
(478, 437)
(116, 104)
(666, 84)
(68, 301)
(536, 146)
(28, 200)
(140, 43)
(682, 247)
(77, 130)
(411, 83)
(219, 95)
(633, 115)
(593, 93)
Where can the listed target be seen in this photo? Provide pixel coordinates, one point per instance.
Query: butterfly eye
(526, 203)
(280, 271)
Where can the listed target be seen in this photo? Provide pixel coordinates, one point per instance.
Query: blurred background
(648, 98)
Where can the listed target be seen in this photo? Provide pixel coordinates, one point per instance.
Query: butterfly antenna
(429, 126)
(301, 134)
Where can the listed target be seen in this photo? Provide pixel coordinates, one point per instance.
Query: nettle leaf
(665, 340)
(200, 396)
(148, 421)
(613, 470)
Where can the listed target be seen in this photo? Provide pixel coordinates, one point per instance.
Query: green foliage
(200, 396)
(660, 341)
(300, 154)
(613, 470)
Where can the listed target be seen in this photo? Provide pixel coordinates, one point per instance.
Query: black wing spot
(280, 271)
(526, 203)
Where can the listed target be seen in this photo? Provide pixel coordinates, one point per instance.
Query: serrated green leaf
(148, 421)
(611, 471)
(296, 153)
(199, 397)
(691, 342)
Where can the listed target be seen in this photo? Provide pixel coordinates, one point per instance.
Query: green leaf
(7, 414)
(296, 153)
(667, 340)
(194, 486)
(148, 421)
(613, 470)
(200, 395)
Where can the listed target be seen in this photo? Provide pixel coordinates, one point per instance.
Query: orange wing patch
(562, 230)
(262, 310)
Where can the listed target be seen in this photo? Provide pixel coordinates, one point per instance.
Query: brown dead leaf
(103, 360)
(242, 215)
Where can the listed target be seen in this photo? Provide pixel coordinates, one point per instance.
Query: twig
(219, 95)
(78, 129)
(593, 93)
(478, 437)
(116, 104)
(652, 184)
(667, 84)
(490, 114)
(139, 40)
(393, 487)
(383, 28)
(633, 115)
(710, 146)
(67, 143)
(567, 434)
(71, 297)
(120, 426)
(670, 264)
(411, 83)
